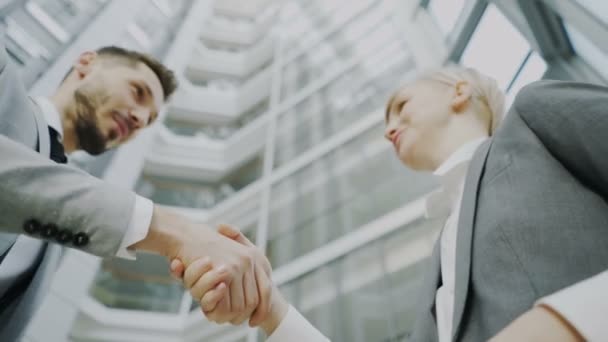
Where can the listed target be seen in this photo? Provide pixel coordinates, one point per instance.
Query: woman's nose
(389, 133)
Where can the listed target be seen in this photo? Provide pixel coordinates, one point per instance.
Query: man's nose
(138, 118)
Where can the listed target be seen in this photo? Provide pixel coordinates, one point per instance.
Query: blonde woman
(523, 252)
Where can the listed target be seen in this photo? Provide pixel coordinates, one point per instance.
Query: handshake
(227, 274)
(237, 290)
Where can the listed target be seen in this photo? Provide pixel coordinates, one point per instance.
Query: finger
(234, 234)
(265, 264)
(251, 297)
(221, 313)
(177, 269)
(265, 297)
(212, 298)
(209, 281)
(196, 270)
(237, 299)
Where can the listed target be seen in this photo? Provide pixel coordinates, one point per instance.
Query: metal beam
(583, 20)
(472, 12)
(547, 29)
(7, 6)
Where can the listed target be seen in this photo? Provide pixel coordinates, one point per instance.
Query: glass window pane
(533, 70)
(306, 22)
(144, 284)
(360, 37)
(197, 194)
(356, 93)
(216, 132)
(598, 7)
(337, 194)
(496, 49)
(446, 14)
(370, 293)
(63, 18)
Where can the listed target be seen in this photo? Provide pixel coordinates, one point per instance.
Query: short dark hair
(165, 75)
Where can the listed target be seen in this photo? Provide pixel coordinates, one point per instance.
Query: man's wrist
(278, 311)
(165, 236)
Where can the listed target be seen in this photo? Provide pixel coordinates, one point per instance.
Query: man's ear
(462, 96)
(84, 63)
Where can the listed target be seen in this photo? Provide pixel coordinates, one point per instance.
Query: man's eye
(139, 92)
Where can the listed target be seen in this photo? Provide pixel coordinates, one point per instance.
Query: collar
(451, 174)
(51, 114)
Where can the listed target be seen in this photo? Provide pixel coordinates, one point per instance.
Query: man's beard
(90, 138)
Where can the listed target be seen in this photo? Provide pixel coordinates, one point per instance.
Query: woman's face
(416, 119)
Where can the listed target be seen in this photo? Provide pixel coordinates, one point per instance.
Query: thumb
(234, 234)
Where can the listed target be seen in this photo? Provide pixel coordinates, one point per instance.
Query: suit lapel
(426, 323)
(431, 282)
(464, 237)
(44, 140)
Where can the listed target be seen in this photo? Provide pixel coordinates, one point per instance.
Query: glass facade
(218, 132)
(290, 149)
(446, 14)
(368, 294)
(37, 31)
(338, 193)
(142, 285)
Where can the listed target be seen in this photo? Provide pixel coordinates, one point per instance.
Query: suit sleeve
(294, 327)
(61, 199)
(571, 120)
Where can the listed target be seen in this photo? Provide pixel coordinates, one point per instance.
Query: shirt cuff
(139, 225)
(294, 327)
(584, 305)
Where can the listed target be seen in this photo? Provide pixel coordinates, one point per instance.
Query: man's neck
(69, 132)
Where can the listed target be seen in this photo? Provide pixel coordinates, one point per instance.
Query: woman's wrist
(278, 311)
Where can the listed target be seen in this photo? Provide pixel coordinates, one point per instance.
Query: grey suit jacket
(534, 217)
(34, 187)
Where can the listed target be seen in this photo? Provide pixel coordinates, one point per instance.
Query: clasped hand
(234, 288)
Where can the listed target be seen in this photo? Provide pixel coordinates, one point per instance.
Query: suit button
(49, 231)
(81, 240)
(64, 236)
(31, 226)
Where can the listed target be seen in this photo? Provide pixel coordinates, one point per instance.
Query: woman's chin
(411, 162)
(407, 160)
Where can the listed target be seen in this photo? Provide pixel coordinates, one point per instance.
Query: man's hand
(207, 285)
(541, 324)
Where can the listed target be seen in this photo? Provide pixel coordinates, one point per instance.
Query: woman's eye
(400, 106)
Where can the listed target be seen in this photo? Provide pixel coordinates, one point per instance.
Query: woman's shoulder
(553, 92)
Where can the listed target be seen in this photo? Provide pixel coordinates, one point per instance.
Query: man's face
(416, 120)
(113, 102)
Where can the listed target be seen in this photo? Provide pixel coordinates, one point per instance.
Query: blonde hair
(489, 97)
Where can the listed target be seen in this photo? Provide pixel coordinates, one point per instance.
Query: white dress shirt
(447, 202)
(294, 327)
(142, 212)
